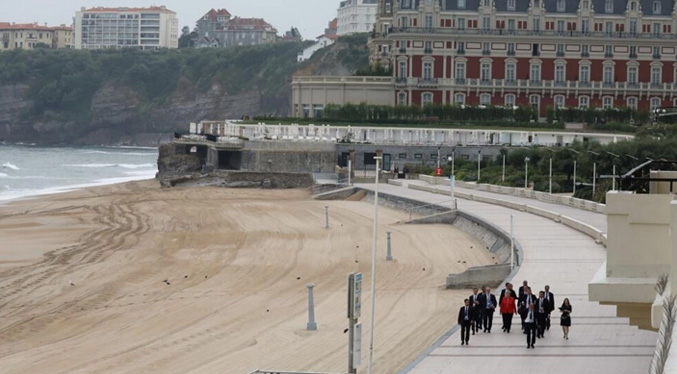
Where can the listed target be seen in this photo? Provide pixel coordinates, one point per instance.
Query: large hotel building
(544, 53)
(143, 28)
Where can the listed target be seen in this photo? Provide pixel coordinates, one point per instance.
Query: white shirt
(489, 305)
(530, 317)
(466, 313)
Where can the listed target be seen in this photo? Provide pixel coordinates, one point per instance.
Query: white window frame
(427, 98)
(402, 98)
(560, 101)
(460, 67)
(485, 75)
(485, 99)
(608, 68)
(655, 103)
(403, 72)
(633, 71)
(535, 102)
(510, 100)
(510, 71)
(631, 102)
(535, 72)
(560, 72)
(609, 6)
(656, 7)
(584, 102)
(511, 4)
(460, 96)
(461, 4)
(584, 73)
(561, 5)
(428, 70)
(607, 102)
(656, 78)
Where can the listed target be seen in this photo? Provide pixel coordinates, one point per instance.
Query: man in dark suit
(465, 315)
(525, 300)
(541, 310)
(530, 325)
(550, 298)
(487, 307)
(477, 317)
(523, 289)
(508, 287)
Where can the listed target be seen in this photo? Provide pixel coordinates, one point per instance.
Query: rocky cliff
(129, 97)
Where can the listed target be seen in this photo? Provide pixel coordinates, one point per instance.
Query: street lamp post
(526, 172)
(594, 173)
(503, 175)
(613, 181)
(575, 162)
(373, 268)
(550, 180)
(479, 160)
(453, 160)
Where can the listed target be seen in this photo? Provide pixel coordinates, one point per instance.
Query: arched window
(402, 98)
(459, 99)
(632, 102)
(559, 101)
(426, 98)
(583, 102)
(485, 99)
(655, 103)
(607, 102)
(510, 100)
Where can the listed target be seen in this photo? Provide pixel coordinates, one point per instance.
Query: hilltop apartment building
(32, 35)
(143, 28)
(217, 29)
(544, 53)
(355, 16)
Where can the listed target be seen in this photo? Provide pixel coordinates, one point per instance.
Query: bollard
(326, 216)
(389, 255)
(311, 326)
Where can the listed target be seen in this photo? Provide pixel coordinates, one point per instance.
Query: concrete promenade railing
(521, 192)
(597, 235)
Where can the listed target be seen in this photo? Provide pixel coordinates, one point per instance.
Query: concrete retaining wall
(521, 192)
(597, 235)
(492, 276)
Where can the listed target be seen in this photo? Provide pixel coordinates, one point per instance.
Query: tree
(293, 34)
(186, 38)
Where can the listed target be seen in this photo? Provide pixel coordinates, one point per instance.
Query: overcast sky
(309, 16)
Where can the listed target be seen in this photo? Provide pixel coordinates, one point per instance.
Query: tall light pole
(550, 174)
(613, 183)
(526, 172)
(479, 160)
(575, 162)
(594, 173)
(453, 159)
(503, 174)
(373, 268)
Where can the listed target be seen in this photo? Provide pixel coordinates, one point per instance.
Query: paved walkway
(565, 259)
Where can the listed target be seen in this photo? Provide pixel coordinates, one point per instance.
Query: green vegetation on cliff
(65, 81)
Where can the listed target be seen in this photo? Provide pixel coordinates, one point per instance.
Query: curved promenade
(556, 255)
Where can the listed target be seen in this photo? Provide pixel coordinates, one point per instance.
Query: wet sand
(237, 262)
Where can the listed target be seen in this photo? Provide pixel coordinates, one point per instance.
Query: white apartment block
(144, 28)
(356, 16)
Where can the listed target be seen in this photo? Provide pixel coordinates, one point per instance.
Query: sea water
(31, 171)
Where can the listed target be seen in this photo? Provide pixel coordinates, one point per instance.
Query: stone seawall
(239, 179)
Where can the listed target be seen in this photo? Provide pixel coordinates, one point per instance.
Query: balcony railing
(528, 33)
(428, 82)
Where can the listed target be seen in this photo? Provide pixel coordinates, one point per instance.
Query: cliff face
(119, 117)
(128, 97)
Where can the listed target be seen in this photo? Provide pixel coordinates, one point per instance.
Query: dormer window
(586, 4)
(486, 2)
(406, 4)
(511, 4)
(656, 7)
(561, 6)
(609, 6)
(633, 5)
(461, 4)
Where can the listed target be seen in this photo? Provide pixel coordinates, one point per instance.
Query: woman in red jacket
(507, 310)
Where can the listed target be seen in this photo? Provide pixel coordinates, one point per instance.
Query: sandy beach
(236, 263)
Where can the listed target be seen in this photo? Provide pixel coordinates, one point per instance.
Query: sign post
(354, 328)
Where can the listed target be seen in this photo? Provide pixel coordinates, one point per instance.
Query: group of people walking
(534, 311)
